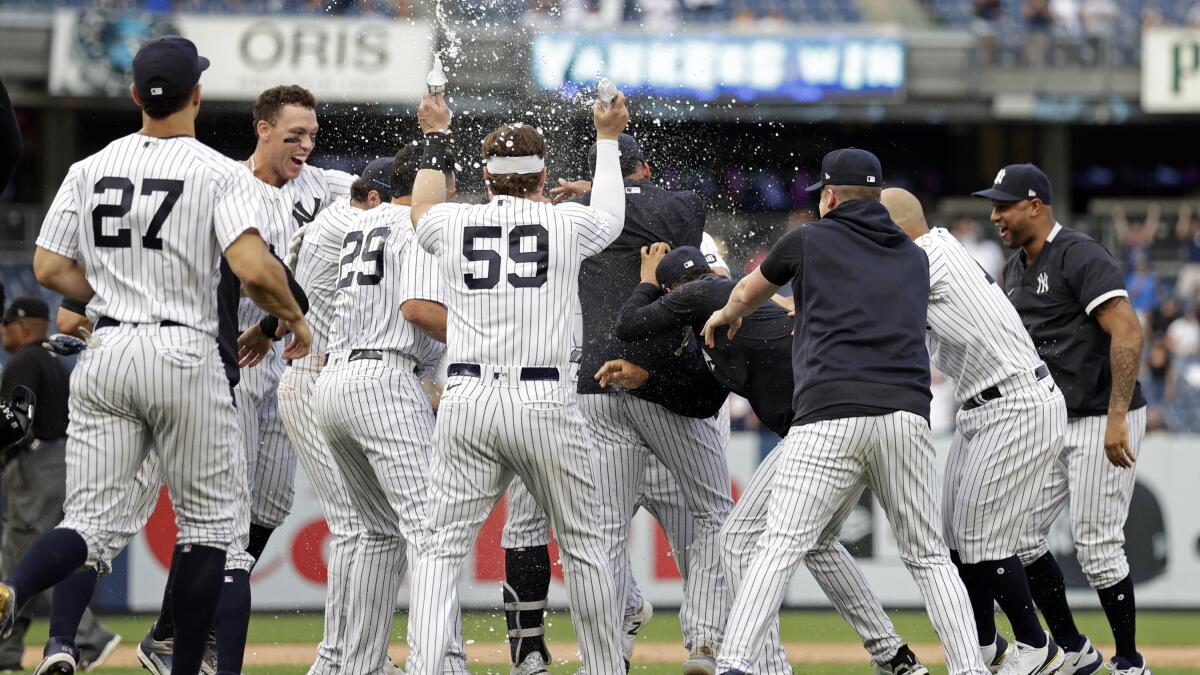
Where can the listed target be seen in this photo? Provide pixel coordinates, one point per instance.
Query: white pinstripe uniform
(317, 272)
(511, 268)
(161, 213)
(370, 407)
(659, 493)
(1003, 449)
(271, 462)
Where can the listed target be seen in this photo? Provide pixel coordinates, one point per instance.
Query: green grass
(1154, 628)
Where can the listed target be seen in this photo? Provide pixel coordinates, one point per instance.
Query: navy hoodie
(862, 290)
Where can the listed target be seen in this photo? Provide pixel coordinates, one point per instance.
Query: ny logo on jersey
(1000, 176)
(1043, 280)
(304, 216)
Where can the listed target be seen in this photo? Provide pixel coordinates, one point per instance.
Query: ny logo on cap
(1000, 176)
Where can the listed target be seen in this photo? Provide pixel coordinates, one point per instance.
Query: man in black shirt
(1071, 296)
(35, 473)
(860, 404)
(679, 290)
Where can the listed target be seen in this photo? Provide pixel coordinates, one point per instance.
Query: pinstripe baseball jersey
(291, 207)
(317, 266)
(975, 334)
(511, 269)
(371, 287)
(159, 212)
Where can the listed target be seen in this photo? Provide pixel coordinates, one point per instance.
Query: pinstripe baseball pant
(999, 461)
(830, 564)
(345, 526)
(490, 428)
(148, 390)
(1098, 494)
(271, 460)
(377, 420)
(693, 450)
(822, 469)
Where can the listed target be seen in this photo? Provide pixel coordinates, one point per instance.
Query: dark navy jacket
(679, 381)
(861, 288)
(754, 365)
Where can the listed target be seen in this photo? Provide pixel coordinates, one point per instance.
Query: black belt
(527, 374)
(992, 393)
(373, 355)
(108, 322)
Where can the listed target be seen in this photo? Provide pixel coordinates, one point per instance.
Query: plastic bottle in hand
(606, 92)
(435, 81)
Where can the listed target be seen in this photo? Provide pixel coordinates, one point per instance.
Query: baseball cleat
(996, 653)
(1028, 660)
(533, 664)
(390, 667)
(59, 658)
(702, 661)
(905, 662)
(633, 626)
(1083, 661)
(1124, 666)
(8, 609)
(156, 656)
(88, 664)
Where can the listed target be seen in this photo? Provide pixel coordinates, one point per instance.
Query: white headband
(524, 164)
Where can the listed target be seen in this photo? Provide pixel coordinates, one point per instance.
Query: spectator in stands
(987, 14)
(1039, 21)
(985, 251)
(1142, 286)
(1187, 230)
(1158, 378)
(1193, 16)
(1099, 22)
(1066, 17)
(1161, 318)
(1136, 237)
(1183, 335)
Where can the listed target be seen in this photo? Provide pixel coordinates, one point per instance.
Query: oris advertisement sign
(341, 59)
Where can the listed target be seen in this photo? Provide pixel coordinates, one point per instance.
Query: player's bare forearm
(749, 294)
(1117, 318)
(429, 317)
(262, 276)
(61, 275)
(429, 190)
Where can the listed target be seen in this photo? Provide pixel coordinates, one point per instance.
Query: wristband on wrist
(438, 154)
(269, 325)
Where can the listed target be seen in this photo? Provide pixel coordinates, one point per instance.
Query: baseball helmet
(16, 418)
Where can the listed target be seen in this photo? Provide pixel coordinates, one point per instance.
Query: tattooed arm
(1117, 318)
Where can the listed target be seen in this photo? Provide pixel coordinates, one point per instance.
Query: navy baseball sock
(52, 557)
(1121, 610)
(526, 585)
(71, 598)
(259, 536)
(1010, 587)
(164, 625)
(233, 621)
(982, 604)
(194, 602)
(1050, 593)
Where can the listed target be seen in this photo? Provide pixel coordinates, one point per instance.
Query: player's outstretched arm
(1117, 318)
(608, 185)
(429, 190)
(265, 282)
(61, 275)
(751, 292)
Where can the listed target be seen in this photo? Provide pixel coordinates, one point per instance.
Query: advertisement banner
(343, 60)
(1171, 70)
(710, 67)
(1161, 538)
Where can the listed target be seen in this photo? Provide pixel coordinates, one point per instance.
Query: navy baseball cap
(1018, 182)
(849, 166)
(167, 66)
(678, 262)
(378, 174)
(628, 147)
(27, 307)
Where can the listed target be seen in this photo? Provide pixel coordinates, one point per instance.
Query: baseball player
(1008, 431)
(1071, 296)
(372, 411)
(511, 273)
(678, 290)
(152, 381)
(317, 258)
(860, 404)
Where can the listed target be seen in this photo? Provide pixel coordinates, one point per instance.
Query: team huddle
(235, 316)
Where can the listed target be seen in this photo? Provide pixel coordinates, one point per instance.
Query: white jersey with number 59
(149, 218)
(511, 272)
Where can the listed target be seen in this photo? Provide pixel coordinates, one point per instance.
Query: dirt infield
(646, 652)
